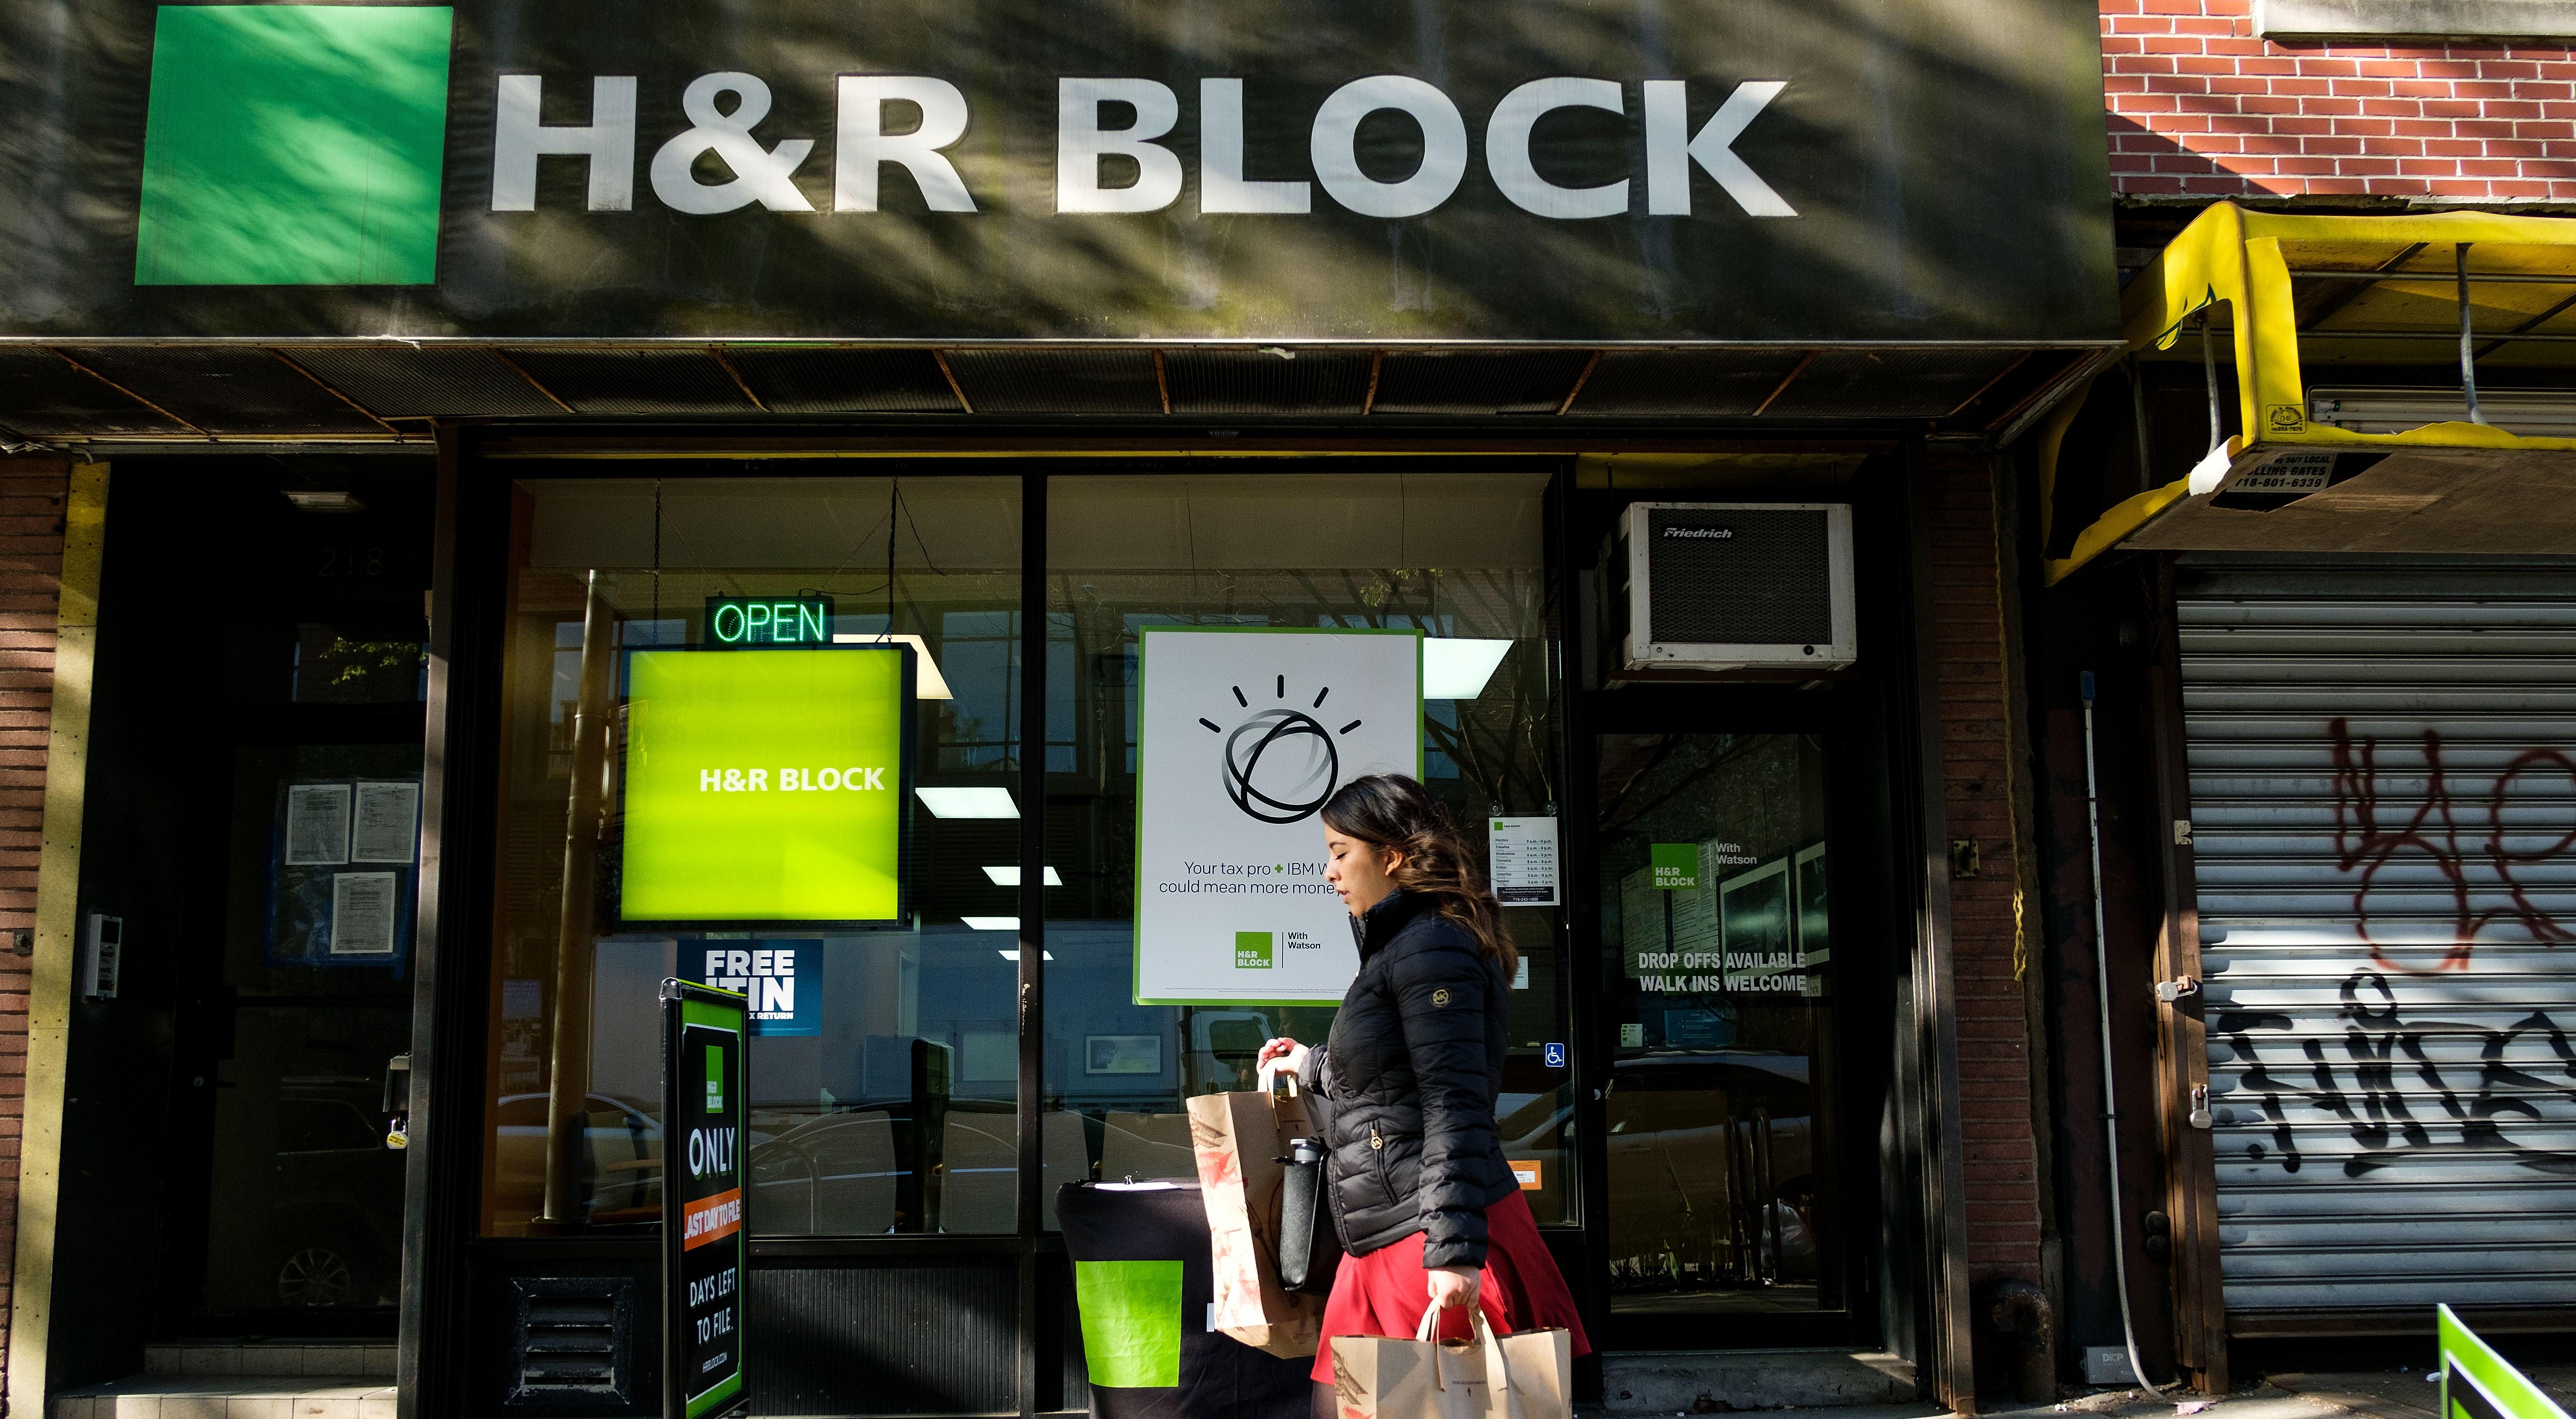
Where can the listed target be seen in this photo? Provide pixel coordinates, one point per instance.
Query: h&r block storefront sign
(1672, 170)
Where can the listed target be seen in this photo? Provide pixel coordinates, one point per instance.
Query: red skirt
(1386, 1291)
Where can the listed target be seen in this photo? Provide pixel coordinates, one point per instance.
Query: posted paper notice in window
(1522, 852)
(362, 913)
(317, 824)
(388, 820)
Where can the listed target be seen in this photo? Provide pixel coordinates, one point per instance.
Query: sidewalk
(2321, 1395)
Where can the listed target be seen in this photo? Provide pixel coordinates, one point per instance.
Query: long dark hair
(1395, 813)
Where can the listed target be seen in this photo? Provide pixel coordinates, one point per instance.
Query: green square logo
(1131, 1322)
(1676, 866)
(1252, 951)
(294, 145)
(715, 1079)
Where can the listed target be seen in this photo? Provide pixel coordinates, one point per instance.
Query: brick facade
(1972, 690)
(2201, 108)
(32, 493)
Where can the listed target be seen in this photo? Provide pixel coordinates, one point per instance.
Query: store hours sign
(1244, 732)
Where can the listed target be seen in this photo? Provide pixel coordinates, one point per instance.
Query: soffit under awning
(356, 392)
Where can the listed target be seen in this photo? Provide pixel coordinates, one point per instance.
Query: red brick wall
(32, 491)
(1970, 696)
(2199, 107)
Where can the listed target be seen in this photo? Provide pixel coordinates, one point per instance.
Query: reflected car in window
(335, 1208)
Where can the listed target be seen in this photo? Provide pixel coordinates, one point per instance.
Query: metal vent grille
(43, 397)
(635, 381)
(1257, 382)
(1889, 384)
(2381, 806)
(1058, 381)
(1750, 576)
(228, 389)
(892, 1340)
(1502, 382)
(401, 383)
(575, 1340)
(1662, 384)
(809, 381)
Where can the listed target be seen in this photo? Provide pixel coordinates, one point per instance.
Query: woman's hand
(1454, 1286)
(1281, 1055)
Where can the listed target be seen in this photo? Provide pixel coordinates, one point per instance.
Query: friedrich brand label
(1700, 534)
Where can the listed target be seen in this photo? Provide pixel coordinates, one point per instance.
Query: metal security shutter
(2383, 788)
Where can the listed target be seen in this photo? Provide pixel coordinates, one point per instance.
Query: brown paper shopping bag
(1238, 1140)
(1523, 1376)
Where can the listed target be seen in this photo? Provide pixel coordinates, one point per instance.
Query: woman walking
(1426, 1206)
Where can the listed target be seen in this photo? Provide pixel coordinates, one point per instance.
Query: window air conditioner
(1736, 586)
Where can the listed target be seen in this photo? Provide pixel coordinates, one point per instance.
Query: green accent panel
(712, 1015)
(1676, 866)
(1131, 1322)
(725, 1390)
(294, 145)
(1252, 951)
(2512, 1392)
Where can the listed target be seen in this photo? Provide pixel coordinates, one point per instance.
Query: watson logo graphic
(1280, 764)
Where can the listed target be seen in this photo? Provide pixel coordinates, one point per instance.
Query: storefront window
(1455, 557)
(884, 1074)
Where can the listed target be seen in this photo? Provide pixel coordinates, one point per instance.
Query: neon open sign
(769, 620)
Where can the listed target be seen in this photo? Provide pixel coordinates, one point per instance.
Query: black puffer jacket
(1409, 1078)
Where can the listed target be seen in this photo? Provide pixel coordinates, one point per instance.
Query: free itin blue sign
(783, 980)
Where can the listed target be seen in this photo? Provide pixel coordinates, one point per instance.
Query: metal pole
(2468, 356)
(2110, 1097)
(2209, 377)
(568, 1065)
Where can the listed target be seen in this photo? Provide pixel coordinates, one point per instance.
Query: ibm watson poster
(1244, 732)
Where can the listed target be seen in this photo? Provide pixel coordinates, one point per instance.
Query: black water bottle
(1309, 1250)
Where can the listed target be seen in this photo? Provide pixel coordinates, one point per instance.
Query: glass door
(1725, 1204)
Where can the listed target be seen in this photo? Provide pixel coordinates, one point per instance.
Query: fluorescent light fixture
(2532, 413)
(1010, 876)
(1458, 669)
(991, 923)
(306, 500)
(928, 684)
(968, 802)
(1014, 956)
